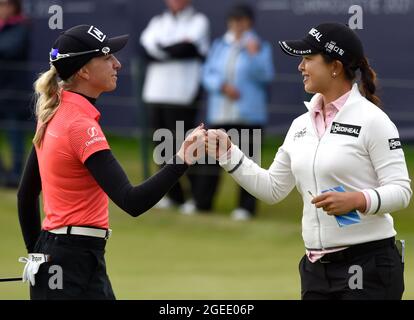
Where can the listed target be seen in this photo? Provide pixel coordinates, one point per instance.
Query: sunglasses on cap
(54, 54)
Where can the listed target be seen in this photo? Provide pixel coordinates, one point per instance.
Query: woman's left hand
(339, 203)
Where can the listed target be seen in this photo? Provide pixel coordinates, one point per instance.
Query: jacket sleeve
(271, 185)
(261, 65)
(149, 40)
(199, 34)
(183, 50)
(213, 76)
(387, 157)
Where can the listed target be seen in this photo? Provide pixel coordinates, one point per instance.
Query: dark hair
(368, 77)
(241, 11)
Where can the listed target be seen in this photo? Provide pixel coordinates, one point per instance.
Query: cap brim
(297, 48)
(117, 43)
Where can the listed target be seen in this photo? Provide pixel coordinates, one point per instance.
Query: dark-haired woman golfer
(345, 158)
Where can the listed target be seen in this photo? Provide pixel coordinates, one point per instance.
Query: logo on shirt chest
(345, 129)
(300, 134)
(92, 132)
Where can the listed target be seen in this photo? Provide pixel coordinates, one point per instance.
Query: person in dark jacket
(14, 84)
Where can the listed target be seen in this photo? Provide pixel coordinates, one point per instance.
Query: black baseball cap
(76, 46)
(333, 39)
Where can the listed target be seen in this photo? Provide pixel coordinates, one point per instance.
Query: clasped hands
(201, 142)
(216, 143)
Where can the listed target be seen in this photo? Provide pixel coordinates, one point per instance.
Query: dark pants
(209, 176)
(82, 262)
(166, 116)
(336, 276)
(15, 137)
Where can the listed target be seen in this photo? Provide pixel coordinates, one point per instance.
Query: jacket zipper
(314, 161)
(316, 185)
(316, 181)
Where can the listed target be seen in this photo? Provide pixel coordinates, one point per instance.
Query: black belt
(356, 250)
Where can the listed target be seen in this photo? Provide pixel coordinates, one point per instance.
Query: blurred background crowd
(196, 61)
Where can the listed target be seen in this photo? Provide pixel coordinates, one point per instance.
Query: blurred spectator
(175, 44)
(236, 75)
(14, 85)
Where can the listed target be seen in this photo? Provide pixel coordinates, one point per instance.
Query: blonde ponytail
(47, 92)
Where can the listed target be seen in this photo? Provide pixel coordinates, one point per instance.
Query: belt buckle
(108, 234)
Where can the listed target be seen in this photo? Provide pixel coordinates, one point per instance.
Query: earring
(334, 75)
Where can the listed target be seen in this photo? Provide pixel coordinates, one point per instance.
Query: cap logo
(331, 46)
(97, 34)
(105, 50)
(316, 34)
(294, 51)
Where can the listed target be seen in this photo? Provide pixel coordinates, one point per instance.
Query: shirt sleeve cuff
(374, 203)
(367, 201)
(229, 160)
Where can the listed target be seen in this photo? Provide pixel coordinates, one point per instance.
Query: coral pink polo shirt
(71, 196)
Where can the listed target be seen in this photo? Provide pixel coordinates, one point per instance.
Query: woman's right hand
(193, 146)
(218, 143)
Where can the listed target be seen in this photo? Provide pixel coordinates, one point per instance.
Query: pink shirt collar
(337, 104)
(322, 121)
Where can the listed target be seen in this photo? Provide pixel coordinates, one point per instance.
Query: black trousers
(166, 116)
(209, 176)
(83, 269)
(370, 271)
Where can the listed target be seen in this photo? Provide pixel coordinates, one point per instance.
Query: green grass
(164, 255)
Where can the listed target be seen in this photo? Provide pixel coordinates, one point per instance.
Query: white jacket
(360, 151)
(174, 81)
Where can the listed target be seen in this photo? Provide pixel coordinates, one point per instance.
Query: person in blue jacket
(236, 76)
(15, 85)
